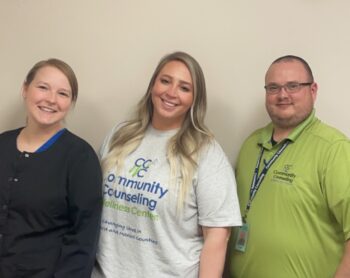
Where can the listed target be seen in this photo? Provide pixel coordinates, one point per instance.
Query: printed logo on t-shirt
(138, 194)
(284, 175)
(140, 167)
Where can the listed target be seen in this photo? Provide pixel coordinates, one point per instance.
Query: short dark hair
(288, 58)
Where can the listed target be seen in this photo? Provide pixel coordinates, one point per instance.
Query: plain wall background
(114, 46)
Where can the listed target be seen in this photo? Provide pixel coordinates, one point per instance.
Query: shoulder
(108, 138)
(75, 144)
(212, 155)
(329, 142)
(258, 136)
(212, 148)
(80, 157)
(326, 133)
(8, 138)
(10, 134)
(251, 146)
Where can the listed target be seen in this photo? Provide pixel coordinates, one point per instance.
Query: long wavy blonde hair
(184, 147)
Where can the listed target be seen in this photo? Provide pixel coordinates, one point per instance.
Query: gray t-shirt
(142, 232)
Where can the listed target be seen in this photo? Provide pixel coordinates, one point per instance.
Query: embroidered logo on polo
(115, 188)
(284, 175)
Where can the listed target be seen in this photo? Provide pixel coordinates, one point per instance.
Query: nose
(172, 91)
(283, 93)
(51, 96)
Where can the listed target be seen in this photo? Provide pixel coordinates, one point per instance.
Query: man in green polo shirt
(293, 180)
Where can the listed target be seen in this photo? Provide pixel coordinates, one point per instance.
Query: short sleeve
(336, 181)
(215, 190)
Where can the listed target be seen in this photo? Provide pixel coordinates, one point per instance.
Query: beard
(288, 121)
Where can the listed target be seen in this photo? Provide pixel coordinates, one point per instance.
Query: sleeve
(216, 190)
(85, 205)
(337, 183)
(103, 151)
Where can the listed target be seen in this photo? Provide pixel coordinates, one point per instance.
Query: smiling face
(287, 110)
(172, 96)
(48, 98)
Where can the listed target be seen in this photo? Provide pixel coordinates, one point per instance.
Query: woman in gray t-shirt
(169, 190)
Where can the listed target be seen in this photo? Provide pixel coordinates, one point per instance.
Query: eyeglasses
(290, 87)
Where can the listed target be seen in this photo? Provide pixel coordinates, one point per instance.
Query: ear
(314, 88)
(24, 90)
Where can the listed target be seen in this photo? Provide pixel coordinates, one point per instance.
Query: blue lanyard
(257, 179)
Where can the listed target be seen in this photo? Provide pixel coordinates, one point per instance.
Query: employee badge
(242, 238)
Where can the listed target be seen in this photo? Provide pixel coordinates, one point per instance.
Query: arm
(343, 270)
(212, 257)
(84, 211)
(337, 183)
(218, 209)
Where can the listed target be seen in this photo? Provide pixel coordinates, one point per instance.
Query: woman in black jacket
(50, 184)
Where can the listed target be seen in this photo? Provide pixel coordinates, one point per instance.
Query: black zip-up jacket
(50, 208)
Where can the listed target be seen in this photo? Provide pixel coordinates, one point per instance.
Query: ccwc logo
(140, 167)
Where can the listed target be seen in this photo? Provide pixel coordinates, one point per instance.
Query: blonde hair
(184, 147)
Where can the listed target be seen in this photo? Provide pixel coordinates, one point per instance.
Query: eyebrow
(60, 89)
(180, 80)
(276, 83)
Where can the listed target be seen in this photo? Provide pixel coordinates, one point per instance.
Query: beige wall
(114, 46)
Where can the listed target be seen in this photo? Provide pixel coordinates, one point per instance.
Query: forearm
(343, 270)
(212, 257)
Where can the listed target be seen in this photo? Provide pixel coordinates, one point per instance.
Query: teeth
(46, 109)
(169, 103)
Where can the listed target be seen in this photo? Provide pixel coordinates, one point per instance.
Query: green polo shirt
(299, 219)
